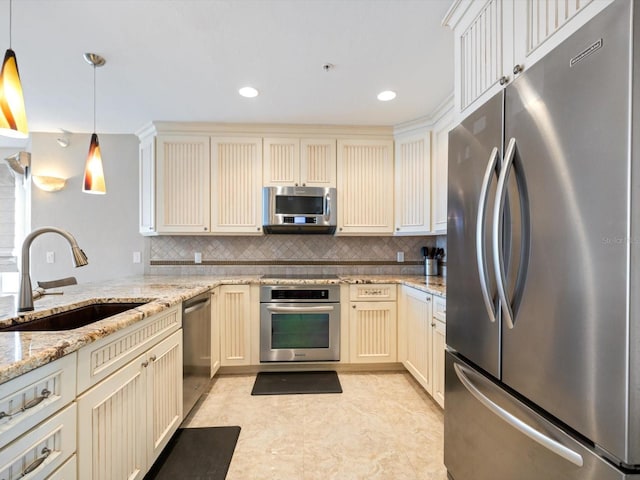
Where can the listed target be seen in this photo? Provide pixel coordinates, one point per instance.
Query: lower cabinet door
(437, 353)
(373, 332)
(40, 451)
(164, 393)
(111, 426)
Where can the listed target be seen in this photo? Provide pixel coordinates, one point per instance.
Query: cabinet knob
(340, 229)
(304, 184)
(295, 184)
(258, 229)
(205, 229)
(433, 324)
(517, 69)
(353, 306)
(397, 229)
(504, 80)
(428, 299)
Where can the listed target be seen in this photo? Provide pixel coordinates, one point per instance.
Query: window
(14, 198)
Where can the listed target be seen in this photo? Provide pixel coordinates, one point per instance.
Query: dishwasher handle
(190, 308)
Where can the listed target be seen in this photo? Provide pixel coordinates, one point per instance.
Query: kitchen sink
(76, 318)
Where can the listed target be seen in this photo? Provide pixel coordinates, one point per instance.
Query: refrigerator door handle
(516, 423)
(481, 255)
(498, 213)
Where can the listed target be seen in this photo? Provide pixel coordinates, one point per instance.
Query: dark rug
(196, 454)
(287, 383)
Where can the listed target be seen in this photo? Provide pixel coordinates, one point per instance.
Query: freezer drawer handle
(498, 211)
(481, 253)
(516, 423)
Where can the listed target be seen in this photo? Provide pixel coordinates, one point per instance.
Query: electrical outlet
(400, 256)
(51, 257)
(136, 257)
(197, 257)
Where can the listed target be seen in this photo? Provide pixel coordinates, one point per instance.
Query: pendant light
(93, 173)
(13, 117)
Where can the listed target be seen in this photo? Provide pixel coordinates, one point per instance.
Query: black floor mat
(286, 383)
(196, 454)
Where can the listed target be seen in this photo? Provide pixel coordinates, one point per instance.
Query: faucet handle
(61, 282)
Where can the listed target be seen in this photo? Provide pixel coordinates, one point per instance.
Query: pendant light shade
(13, 117)
(93, 173)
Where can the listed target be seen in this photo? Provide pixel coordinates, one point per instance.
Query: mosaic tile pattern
(336, 252)
(383, 426)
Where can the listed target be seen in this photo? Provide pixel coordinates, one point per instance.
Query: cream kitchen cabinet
(127, 419)
(38, 420)
(234, 321)
(299, 162)
(413, 184)
(215, 331)
(372, 323)
(416, 335)
(236, 185)
(495, 40)
(438, 343)
(147, 192)
(440, 160)
(130, 397)
(182, 184)
(421, 343)
(365, 186)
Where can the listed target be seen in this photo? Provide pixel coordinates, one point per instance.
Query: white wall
(105, 226)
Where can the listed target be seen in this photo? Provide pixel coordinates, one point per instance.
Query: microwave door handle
(327, 207)
(328, 308)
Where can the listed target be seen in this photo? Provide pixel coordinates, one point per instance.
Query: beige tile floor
(383, 426)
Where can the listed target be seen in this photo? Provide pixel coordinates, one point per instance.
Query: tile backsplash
(289, 254)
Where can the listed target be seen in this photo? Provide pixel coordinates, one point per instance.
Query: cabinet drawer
(67, 471)
(100, 359)
(40, 392)
(372, 292)
(41, 450)
(440, 308)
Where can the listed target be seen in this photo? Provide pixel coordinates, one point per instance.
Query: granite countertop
(21, 352)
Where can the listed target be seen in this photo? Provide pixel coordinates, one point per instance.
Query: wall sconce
(48, 183)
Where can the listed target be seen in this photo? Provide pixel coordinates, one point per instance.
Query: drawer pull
(37, 462)
(30, 404)
(152, 358)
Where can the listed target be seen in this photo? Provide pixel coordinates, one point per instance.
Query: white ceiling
(184, 60)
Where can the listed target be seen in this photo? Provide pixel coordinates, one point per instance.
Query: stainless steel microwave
(299, 210)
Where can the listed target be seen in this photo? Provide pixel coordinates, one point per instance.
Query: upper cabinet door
(302, 162)
(365, 186)
(147, 192)
(495, 40)
(236, 185)
(413, 185)
(440, 161)
(182, 184)
(281, 162)
(318, 162)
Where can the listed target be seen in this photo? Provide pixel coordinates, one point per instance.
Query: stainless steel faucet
(25, 294)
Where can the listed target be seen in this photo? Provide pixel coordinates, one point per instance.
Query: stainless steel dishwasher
(196, 349)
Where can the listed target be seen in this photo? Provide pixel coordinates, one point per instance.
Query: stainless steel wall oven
(299, 323)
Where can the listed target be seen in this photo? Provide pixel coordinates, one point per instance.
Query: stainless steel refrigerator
(543, 295)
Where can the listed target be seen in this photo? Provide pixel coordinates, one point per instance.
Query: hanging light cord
(94, 98)
(10, 17)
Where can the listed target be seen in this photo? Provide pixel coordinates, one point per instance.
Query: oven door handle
(323, 308)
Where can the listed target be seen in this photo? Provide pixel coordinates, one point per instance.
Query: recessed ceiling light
(386, 95)
(248, 92)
